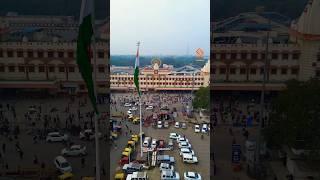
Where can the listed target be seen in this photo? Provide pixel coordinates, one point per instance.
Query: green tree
(202, 98)
(294, 120)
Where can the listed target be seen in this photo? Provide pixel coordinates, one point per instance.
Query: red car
(161, 144)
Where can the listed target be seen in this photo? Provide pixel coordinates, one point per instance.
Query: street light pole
(262, 110)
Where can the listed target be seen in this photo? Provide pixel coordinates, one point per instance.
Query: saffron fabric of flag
(83, 45)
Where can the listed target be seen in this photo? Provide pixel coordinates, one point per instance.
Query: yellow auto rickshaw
(120, 176)
(131, 144)
(127, 151)
(136, 120)
(66, 176)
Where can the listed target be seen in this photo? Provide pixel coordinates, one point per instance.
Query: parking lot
(200, 145)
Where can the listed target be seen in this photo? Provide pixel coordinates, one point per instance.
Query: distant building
(159, 78)
(39, 52)
(238, 49)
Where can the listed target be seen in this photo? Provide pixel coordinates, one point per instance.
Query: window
(253, 70)
(40, 54)
(223, 56)
(50, 54)
(31, 68)
(273, 70)
(284, 71)
(100, 55)
(274, 55)
(101, 69)
(1, 53)
(318, 73)
(261, 70)
(294, 71)
(70, 54)
(222, 70)
(11, 68)
(233, 55)
(30, 54)
(232, 70)
(10, 53)
(263, 56)
(51, 69)
(254, 56)
(285, 56)
(41, 68)
(1, 68)
(318, 57)
(21, 68)
(243, 70)
(82, 87)
(243, 55)
(60, 54)
(20, 53)
(61, 69)
(295, 56)
(70, 69)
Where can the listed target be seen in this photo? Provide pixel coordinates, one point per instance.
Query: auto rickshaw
(135, 139)
(135, 136)
(120, 176)
(131, 144)
(127, 151)
(136, 120)
(66, 176)
(114, 135)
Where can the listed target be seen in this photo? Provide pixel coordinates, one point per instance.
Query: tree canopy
(294, 120)
(202, 98)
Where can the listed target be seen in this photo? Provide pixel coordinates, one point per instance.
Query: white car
(196, 128)
(204, 128)
(129, 112)
(88, 134)
(159, 124)
(182, 139)
(184, 145)
(133, 108)
(174, 136)
(166, 166)
(177, 125)
(186, 151)
(56, 137)
(191, 176)
(154, 143)
(62, 164)
(166, 124)
(75, 150)
(149, 108)
(189, 158)
(127, 105)
(170, 175)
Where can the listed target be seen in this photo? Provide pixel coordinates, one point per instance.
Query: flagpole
(95, 92)
(140, 104)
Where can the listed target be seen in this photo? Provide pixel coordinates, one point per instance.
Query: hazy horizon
(166, 27)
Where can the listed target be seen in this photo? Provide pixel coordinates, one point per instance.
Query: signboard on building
(236, 153)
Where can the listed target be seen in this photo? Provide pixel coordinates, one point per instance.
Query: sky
(164, 27)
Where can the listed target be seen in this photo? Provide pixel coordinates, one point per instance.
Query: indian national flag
(83, 48)
(136, 71)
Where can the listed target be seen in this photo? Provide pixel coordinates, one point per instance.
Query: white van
(146, 142)
(154, 143)
(204, 128)
(137, 176)
(189, 158)
(62, 164)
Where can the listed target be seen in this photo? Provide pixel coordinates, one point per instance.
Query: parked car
(149, 108)
(166, 124)
(137, 175)
(184, 145)
(166, 166)
(133, 108)
(132, 167)
(154, 143)
(146, 142)
(127, 105)
(62, 164)
(129, 112)
(196, 128)
(161, 144)
(184, 125)
(182, 139)
(75, 150)
(56, 137)
(165, 159)
(177, 125)
(170, 144)
(186, 151)
(189, 158)
(174, 136)
(191, 176)
(204, 128)
(170, 175)
(159, 124)
(88, 134)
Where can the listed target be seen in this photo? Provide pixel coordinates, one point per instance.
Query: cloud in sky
(164, 27)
